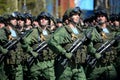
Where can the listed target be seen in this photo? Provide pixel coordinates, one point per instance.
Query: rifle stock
(93, 61)
(77, 44)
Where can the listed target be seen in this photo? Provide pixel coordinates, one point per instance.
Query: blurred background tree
(3, 7)
(55, 7)
(31, 6)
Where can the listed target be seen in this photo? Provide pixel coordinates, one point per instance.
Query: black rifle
(77, 44)
(91, 61)
(89, 57)
(12, 43)
(40, 47)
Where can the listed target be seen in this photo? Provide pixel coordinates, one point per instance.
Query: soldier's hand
(3, 50)
(68, 55)
(98, 56)
(110, 67)
(23, 41)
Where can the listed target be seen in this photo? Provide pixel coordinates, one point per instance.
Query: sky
(85, 4)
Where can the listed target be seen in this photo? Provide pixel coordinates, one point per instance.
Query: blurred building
(64, 5)
(112, 6)
(57, 7)
(61, 6)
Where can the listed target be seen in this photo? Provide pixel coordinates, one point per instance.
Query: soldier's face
(44, 21)
(59, 24)
(2, 25)
(28, 22)
(13, 22)
(76, 18)
(116, 23)
(101, 19)
(35, 23)
(20, 22)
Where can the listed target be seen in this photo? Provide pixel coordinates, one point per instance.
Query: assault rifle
(40, 47)
(91, 61)
(12, 43)
(75, 46)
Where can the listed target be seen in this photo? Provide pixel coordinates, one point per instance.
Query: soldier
(116, 25)
(114, 19)
(59, 22)
(12, 24)
(90, 21)
(28, 21)
(13, 61)
(102, 18)
(21, 23)
(35, 22)
(43, 67)
(66, 16)
(104, 68)
(61, 41)
(52, 25)
(86, 21)
(4, 37)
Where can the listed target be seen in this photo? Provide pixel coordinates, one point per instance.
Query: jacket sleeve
(59, 38)
(31, 39)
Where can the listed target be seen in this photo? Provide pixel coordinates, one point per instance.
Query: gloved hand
(34, 54)
(97, 55)
(68, 55)
(110, 67)
(23, 41)
(3, 50)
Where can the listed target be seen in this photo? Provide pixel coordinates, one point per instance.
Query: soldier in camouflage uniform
(21, 23)
(52, 25)
(61, 41)
(13, 62)
(35, 22)
(4, 37)
(27, 27)
(43, 67)
(28, 21)
(66, 16)
(59, 22)
(104, 69)
(114, 22)
(116, 25)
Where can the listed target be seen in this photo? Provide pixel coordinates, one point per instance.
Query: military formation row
(44, 48)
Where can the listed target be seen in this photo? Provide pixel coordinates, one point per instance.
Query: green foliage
(36, 6)
(33, 6)
(3, 7)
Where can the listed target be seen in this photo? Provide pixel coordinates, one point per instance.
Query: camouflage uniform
(117, 62)
(116, 29)
(71, 68)
(4, 33)
(105, 65)
(13, 60)
(104, 68)
(61, 41)
(43, 67)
